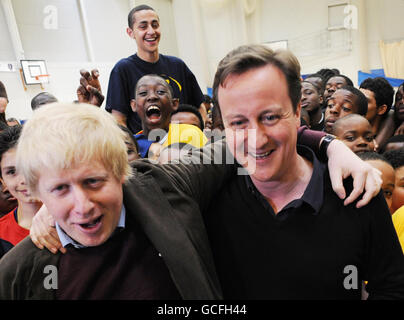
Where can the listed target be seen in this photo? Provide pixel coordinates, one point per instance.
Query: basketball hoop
(34, 72)
(42, 78)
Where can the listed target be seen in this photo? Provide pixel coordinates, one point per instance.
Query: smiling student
(144, 28)
(15, 225)
(154, 104)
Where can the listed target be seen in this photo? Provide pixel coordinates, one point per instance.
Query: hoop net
(42, 78)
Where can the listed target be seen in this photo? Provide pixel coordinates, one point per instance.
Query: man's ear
(381, 110)
(133, 105)
(298, 113)
(176, 103)
(130, 33)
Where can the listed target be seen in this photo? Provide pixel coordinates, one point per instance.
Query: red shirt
(10, 230)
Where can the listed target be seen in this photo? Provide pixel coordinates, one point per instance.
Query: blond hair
(63, 135)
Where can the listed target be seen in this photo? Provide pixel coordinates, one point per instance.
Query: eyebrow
(330, 99)
(145, 85)
(355, 131)
(8, 167)
(274, 108)
(147, 21)
(335, 81)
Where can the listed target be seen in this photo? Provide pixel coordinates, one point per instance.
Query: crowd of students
(368, 120)
(164, 117)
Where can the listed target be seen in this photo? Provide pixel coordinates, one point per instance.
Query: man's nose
(331, 90)
(361, 142)
(82, 202)
(257, 138)
(334, 110)
(150, 29)
(21, 180)
(152, 96)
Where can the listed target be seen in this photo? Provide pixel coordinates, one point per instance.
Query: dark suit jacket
(167, 202)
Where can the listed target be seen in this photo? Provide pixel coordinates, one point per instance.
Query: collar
(66, 240)
(313, 194)
(322, 118)
(147, 62)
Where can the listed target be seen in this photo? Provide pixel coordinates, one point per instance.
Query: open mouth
(92, 225)
(151, 39)
(153, 113)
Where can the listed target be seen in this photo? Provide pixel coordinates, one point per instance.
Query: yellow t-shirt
(398, 221)
(185, 133)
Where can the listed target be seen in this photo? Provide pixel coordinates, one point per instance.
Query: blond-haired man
(123, 238)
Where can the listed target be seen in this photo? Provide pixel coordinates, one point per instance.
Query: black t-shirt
(308, 250)
(127, 72)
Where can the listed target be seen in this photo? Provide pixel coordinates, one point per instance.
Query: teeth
(260, 156)
(90, 225)
(153, 111)
(153, 108)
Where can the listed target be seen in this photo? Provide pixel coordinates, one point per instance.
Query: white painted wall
(201, 32)
(302, 21)
(384, 21)
(64, 49)
(6, 48)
